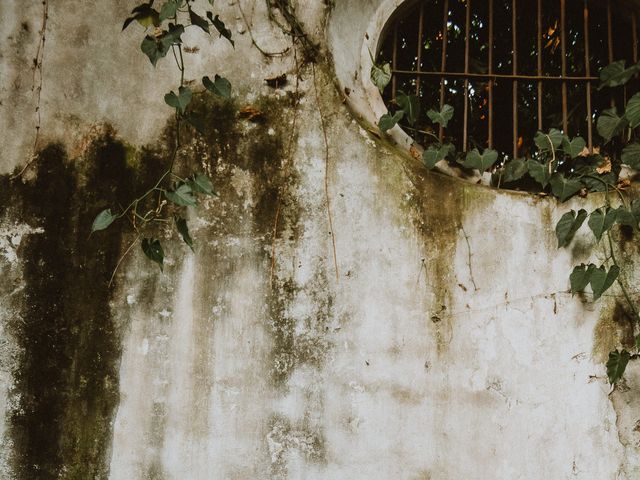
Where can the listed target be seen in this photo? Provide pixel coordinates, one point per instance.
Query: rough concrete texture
(442, 344)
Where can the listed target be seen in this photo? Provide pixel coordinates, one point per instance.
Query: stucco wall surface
(345, 314)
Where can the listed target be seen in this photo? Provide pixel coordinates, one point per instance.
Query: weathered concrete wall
(442, 344)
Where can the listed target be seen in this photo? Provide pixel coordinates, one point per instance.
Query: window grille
(509, 67)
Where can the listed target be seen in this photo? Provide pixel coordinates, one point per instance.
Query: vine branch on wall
(36, 85)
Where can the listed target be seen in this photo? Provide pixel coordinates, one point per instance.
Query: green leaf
(631, 155)
(515, 170)
(632, 111)
(410, 105)
(380, 75)
(615, 74)
(580, 277)
(144, 15)
(220, 26)
(540, 172)
(443, 116)
(610, 124)
(545, 141)
(434, 154)
(154, 49)
(172, 36)
(637, 342)
(183, 195)
(626, 217)
(198, 21)
(200, 183)
(153, 250)
(480, 162)
(601, 220)
(220, 86)
(564, 188)
(180, 101)
(568, 225)
(601, 280)
(616, 365)
(575, 147)
(183, 230)
(388, 121)
(103, 220)
(168, 10)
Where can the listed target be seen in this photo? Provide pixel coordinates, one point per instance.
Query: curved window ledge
(349, 32)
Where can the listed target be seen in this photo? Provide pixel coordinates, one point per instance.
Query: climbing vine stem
(168, 25)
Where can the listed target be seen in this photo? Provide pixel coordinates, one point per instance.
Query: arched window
(508, 67)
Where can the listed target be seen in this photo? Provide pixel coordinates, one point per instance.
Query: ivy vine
(563, 167)
(172, 193)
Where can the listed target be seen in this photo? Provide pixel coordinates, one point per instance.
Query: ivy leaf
(200, 183)
(614, 74)
(631, 155)
(198, 21)
(180, 101)
(103, 220)
(575, 147)
(539, 172)
(442, 117)
(410, 105)
(515, 170)
(220, 26)
(220, 86)
(616, 365)
(183, 195)
(183, 230)
(564, 188)
(632, 111)
(568, 225)
(625, 217)
(144, 15)
(153, 250)
(380, 75)
(172, 36)
(601, 280)
(610, 124)
(433, 155)
(601, 220)
(154, 49)
(169, 10)
(388, 121)
(480, 162)
(580, 277)
(545, 141)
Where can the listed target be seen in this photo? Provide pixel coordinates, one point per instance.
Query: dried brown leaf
(605, 167)
(251, 113)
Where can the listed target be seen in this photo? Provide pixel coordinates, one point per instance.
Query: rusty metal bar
(394, 62)
(443, 63)
(466, 79)
(587, 66)
(419, 54)
(539, 52)
(609, 31)
(498, 75)
(563, 48)
(491, 79)
(610, 42)
(514, 38)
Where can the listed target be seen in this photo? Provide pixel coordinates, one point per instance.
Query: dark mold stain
(67, 375)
